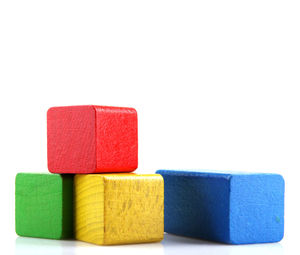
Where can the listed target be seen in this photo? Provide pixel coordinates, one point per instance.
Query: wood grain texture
(44, 205)
(89, 208)
(92, 139)
(119, 208)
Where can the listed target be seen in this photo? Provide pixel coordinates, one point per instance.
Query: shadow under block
(119, 208)
(234, 208)
(44, 205)
(92, 139)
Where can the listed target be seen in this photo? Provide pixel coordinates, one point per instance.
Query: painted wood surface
(44, 205)
(227, 207)
(92, 139)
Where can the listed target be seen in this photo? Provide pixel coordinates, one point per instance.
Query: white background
(216, 85)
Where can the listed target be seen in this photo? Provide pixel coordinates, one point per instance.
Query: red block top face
(92, 139)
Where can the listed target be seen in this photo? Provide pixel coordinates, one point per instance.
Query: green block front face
(44, 205)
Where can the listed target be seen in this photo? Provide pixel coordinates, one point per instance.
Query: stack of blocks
(91, 194)
(111, 206)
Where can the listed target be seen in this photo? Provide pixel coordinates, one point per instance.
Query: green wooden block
(44, 205)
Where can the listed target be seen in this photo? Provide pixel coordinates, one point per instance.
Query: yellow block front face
(119, 208)
(89, 208)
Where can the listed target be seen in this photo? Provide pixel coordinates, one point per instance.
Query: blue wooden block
(234, 208)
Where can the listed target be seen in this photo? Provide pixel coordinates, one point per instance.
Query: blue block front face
(256, 208)
(224, 207)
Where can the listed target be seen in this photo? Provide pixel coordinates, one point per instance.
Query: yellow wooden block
(119, 208)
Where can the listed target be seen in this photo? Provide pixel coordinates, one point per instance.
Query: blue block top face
(228, 207)
(211, 173)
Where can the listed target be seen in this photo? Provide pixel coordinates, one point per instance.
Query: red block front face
(92, 139)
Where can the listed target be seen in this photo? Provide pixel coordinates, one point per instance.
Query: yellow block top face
(119, 208)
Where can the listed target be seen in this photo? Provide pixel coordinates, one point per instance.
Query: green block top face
(44, 205)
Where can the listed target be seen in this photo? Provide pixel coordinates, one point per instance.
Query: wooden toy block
(44, 205)
(92, 139)
(234, 208)
(119, 208)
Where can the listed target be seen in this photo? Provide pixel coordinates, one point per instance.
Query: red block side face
(116, 139)
(71, 139)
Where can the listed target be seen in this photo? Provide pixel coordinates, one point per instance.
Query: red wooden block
(92, 139)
